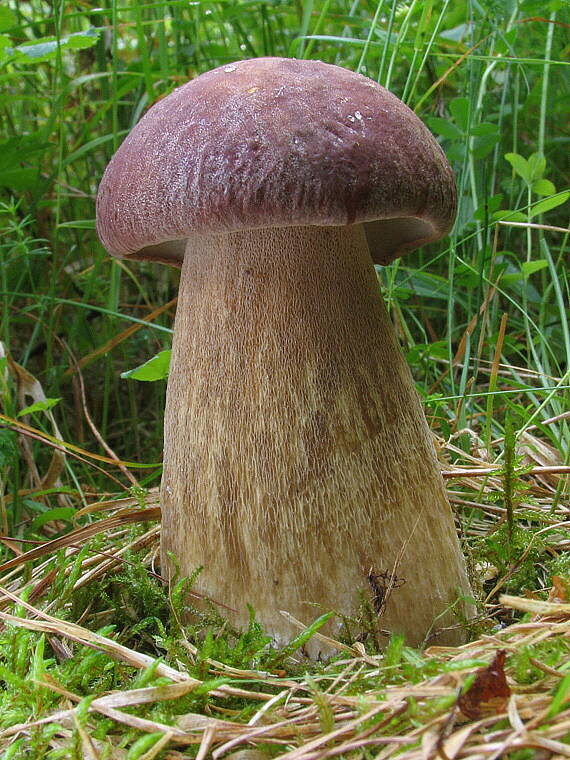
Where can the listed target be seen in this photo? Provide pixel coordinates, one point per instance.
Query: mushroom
(299, 470)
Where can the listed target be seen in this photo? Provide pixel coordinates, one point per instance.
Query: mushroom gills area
(298, 468)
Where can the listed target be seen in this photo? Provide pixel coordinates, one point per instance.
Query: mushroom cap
(275, 142)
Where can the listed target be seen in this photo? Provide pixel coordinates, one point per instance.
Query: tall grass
(483, 317)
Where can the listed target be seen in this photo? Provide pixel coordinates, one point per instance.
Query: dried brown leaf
(489, 693)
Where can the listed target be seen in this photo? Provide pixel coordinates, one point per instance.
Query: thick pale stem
(298, 466)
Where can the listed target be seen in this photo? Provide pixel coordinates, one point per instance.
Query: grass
(93, 661)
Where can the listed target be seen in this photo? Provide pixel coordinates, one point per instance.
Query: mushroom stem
(298, 466)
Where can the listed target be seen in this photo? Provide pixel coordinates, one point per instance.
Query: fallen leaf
(489, 693)
(558, 591)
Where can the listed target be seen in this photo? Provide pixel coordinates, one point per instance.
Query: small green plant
(156, 368)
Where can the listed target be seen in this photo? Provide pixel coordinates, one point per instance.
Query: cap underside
(387, 240)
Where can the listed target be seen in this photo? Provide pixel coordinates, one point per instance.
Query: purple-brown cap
(275, 142)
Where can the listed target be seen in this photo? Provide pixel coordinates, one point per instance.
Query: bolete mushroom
(298, 465)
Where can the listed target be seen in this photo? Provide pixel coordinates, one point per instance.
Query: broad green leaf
(485, 129)
(59, 513)
(537, 166)
(504, 44)
(530, 267)
(467, 277)
(456, 152)
(444, 128)
(520, 165)
(509, 216)
(549, 203)
(543, 187)
(493, 204)
(457, 34)
(402, 294)
(152, 370)
(19, 179)
(39, 406)
(44, 49)
(420, 351)
(7, 18)
(459, 108)
(439, 349)
(483, 145)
